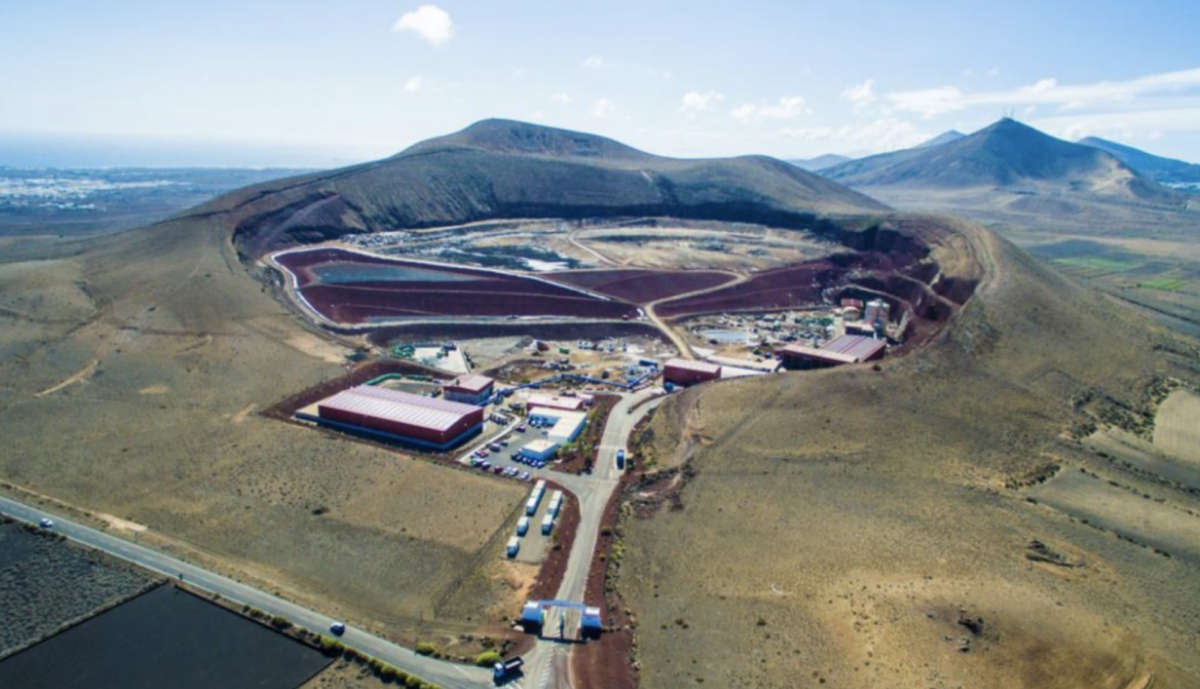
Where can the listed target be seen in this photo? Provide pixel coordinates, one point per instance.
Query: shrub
(331, 647)
(280, 622)
(487, 659)
(427, 649)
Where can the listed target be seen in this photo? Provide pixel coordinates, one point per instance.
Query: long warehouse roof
(848, 349)
(401, 407)
(701, 366)
(470, 383)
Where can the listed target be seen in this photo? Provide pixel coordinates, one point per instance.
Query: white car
(46, 523)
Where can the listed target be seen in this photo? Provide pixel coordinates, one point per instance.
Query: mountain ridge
(509, 169)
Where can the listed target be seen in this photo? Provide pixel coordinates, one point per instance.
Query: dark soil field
(165, 638)
(773, 289)
(643, 286)
(46, 583)
(347, 287)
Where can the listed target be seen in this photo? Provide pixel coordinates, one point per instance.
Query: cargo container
(556, 500)
(514, 546)
(522, 526)
(532, 505)
(547, 524)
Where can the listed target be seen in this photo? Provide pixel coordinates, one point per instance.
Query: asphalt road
(448, 675)
(547, 665)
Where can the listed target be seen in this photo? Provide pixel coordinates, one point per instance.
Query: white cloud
(787, 108)
(414, 83)
(595, 62)
(696, 101)
(886, 134)
(430, 22)
(603, 107)
(946, 99)
(860, 95)
(1145, 124)
(563, 98)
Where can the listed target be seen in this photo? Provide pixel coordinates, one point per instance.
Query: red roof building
(469, 389)
(686, 372)
(847, 349)
(421, 420)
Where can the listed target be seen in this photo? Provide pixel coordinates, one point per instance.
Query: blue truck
(621, 459)
(507, 670)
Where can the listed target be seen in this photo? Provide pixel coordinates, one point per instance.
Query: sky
(320, 84)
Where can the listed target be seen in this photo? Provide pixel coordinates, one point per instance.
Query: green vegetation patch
(1163, 284)
(1109, 265)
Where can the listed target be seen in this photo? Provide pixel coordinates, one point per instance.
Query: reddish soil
(607, 662)
(577, 460)
(433, 291)
(782, 288)
(643, 286)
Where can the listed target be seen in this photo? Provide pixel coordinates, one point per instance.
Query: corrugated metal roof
(847, 349)
(470, 383)
(701, 366)
(400, 407)
(856, 346)
(554, 402)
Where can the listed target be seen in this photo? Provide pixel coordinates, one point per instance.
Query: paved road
(448, 675)
(547, 665)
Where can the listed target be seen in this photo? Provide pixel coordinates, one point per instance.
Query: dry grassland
(179, 347)
(854, 528)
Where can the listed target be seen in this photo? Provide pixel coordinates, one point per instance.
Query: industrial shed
(684, 372)
(469, 389)
(847, 349)
(422, 421)
(554, 402)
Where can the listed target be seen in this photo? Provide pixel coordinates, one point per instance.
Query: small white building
(542, 450)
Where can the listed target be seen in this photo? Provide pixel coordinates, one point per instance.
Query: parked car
(497, 470)
(483, 453)
(338, 628)
(46, 523)
(524, 475)
(522, 428)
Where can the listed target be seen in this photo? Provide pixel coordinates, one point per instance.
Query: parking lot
(500, 454)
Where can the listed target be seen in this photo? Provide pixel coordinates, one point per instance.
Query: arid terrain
(900, 507)
(1006, 501)
(142, 367)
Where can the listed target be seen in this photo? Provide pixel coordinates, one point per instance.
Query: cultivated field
(46, 583)
(861, 528)
(165, 638)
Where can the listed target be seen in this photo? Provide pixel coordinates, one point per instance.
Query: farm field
(348, 287)
(166, 637)
(643, 286)
(46, 583)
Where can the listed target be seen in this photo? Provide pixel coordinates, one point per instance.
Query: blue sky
(321, 83)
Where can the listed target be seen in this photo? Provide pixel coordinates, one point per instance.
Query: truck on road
(507, 670)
